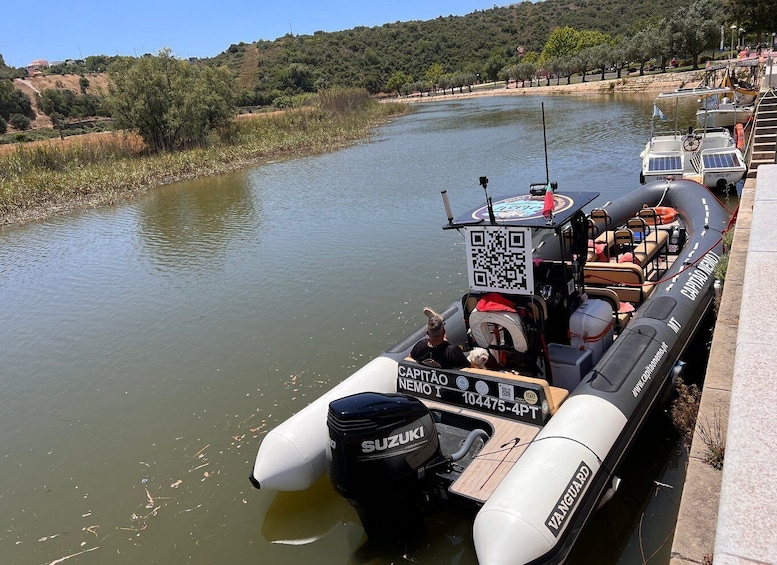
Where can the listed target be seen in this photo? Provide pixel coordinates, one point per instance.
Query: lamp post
(741, 37)
(733, 33)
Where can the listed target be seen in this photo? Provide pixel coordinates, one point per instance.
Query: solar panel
(660, 164)
(720, 160)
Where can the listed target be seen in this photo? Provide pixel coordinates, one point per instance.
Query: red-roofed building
(37, 66)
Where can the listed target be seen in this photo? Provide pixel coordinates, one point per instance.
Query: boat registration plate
(505, 397)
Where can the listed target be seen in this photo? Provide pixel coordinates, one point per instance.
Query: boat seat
(605, 238)
(605, 294)
(539, 307)
(626, 244)
(601, 216)
(623, 311)
(650, 216)
(554, 395)
(535, 304)
(627, 280)
(651, 241)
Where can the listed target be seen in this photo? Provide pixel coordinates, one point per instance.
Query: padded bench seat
(626, 279)
(649, 246)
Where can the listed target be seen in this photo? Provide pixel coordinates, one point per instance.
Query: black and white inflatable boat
(585, 317)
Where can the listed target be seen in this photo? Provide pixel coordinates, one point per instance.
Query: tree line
(175, 103)
(489, 44)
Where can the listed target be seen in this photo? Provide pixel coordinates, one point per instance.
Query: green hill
(368, 56)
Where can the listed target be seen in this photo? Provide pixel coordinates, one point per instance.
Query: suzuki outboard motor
(379, 448)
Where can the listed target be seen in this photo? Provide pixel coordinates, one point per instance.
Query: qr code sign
(499, 259)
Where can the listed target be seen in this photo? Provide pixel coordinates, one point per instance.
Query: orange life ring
(666, 214)
(739, 136)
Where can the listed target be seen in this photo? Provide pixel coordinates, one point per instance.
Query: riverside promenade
(731, 516)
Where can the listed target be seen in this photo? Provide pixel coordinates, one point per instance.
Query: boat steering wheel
(691, 143)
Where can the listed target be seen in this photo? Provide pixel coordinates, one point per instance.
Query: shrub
(684, 409)
(713, 435)
(3, 125)
(18, 121)
(343, 100)
(722, 266)
(283, 102)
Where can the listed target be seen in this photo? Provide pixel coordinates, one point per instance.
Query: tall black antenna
(545, 142)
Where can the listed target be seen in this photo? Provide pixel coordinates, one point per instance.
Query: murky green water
(147, 348)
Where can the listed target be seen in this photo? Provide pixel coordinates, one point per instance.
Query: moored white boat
(710, 156)
(726, 110)
(582, 345)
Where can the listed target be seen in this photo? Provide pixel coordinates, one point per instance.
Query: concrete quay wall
(730, 517)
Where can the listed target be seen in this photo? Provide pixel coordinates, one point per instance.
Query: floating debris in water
(61, 559)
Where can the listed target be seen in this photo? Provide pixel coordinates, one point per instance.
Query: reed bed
(55, 177)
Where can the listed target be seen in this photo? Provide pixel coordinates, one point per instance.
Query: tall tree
(397, 81)
(698, 28)
(433, 74)
(171, 103)
(562, 42)
(758, 16)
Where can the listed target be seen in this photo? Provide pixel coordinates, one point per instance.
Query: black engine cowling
(379, 448)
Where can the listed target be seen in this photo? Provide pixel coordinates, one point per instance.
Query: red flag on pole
(549, 204)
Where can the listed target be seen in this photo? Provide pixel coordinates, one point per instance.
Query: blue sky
(56, 30)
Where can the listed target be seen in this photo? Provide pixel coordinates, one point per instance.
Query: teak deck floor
(499, 454)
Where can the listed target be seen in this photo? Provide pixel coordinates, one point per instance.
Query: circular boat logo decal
(462, 382)
(481, 387)
(523, 207)
(530, 397)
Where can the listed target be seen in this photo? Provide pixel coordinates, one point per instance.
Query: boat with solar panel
(736, 106)
(710, 156)
(584, 312)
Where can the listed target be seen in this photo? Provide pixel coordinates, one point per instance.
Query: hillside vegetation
(368, 56)
(560, 38)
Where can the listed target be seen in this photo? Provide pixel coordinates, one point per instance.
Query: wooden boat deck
(499, 454)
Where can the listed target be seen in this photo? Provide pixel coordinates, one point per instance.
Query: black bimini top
(525, 210)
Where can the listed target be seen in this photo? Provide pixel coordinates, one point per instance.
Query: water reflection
(193, 228)
(299, 518)
(157, 341)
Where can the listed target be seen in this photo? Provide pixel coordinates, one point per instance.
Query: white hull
(709, 158)
(293, 456)
(724, 117)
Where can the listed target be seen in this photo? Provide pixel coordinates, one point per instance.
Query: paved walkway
(732, 515)
(747, 515)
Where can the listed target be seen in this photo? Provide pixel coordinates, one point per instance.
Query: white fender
(293, 455)
(525, 517)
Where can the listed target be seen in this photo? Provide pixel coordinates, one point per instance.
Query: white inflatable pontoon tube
(528, 512)
(293, 456)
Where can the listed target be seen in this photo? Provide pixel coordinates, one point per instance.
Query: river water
(148, 347)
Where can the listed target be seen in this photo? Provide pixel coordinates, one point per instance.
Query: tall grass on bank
(45, 179)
